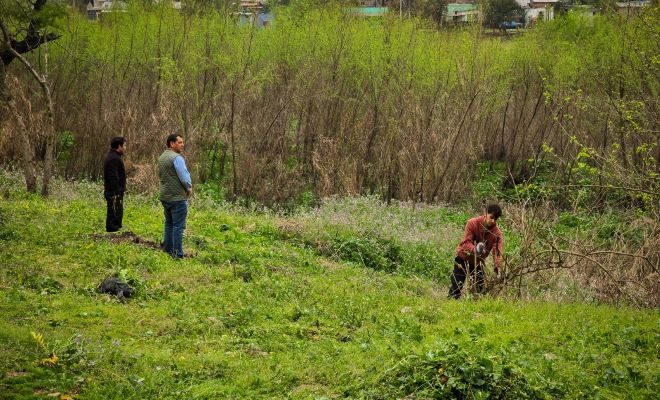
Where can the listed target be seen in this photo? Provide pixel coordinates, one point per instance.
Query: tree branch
(32, 40)
(26, 45)
(16, 54)
(610, 187)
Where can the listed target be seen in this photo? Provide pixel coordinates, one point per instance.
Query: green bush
(375, 253)
(452, 371)
(6, 233)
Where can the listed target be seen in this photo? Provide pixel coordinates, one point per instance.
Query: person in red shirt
(482, 236)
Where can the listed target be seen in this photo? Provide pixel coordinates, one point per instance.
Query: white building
(97, 7)
(538, 10)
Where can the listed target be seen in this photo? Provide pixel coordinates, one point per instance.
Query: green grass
(264, 311)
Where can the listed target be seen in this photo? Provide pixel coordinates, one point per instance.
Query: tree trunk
(50, 143)
(234, 192)
(29, 165)
(4, 91)
(8, 104)
(50, 134)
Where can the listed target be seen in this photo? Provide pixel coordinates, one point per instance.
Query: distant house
(461, 13)
(583, 10)
(97, 7)
(254, 12)
(368, 8)
(632, 7)
(538, 10)
(368, 11)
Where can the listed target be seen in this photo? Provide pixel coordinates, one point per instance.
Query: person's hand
(480, 249)
(188, 192)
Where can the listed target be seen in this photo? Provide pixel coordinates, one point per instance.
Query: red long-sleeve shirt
(475, 232)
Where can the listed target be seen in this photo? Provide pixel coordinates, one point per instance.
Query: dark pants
(461, 270)
(175, 223)
(115, 212)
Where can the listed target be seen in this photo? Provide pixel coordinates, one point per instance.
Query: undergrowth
(312, 305)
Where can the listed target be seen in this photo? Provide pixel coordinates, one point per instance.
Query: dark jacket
(114, 174)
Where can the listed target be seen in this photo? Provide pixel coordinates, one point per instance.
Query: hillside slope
(258, 313)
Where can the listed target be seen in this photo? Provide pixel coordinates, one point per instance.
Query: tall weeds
(327, 103)
(612, 258)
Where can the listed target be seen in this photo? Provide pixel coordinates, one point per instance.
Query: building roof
(633, 4)
(369, 11)
(252, 4)
(453, 8)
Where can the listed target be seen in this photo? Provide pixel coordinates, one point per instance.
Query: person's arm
(122, 176)
(182, 173)
(466, 247)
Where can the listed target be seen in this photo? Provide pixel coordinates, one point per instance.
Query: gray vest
(171, 188)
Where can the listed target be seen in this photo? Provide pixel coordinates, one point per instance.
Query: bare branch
(610, 187)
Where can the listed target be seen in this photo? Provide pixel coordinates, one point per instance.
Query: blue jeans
(175, 223)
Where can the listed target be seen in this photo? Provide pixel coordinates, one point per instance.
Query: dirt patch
(126, 237)
(310, 389)
(329, 265)
(16, 374)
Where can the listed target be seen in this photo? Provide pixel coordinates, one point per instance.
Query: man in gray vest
(175, 188)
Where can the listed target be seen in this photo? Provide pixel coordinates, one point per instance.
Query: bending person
(480, 238)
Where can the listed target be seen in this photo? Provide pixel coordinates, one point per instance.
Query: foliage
(6, 233)
(369, 252)
(498, 11)
(433, 9)
(409, 239)
(450, 371)
(270, 112)
(18, 15)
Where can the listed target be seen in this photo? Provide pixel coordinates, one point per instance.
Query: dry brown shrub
(616, 271)
(289, 228)
(141, 178)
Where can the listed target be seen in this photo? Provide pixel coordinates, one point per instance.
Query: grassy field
(275, 306)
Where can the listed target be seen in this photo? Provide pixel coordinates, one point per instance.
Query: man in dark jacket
(114, 184)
